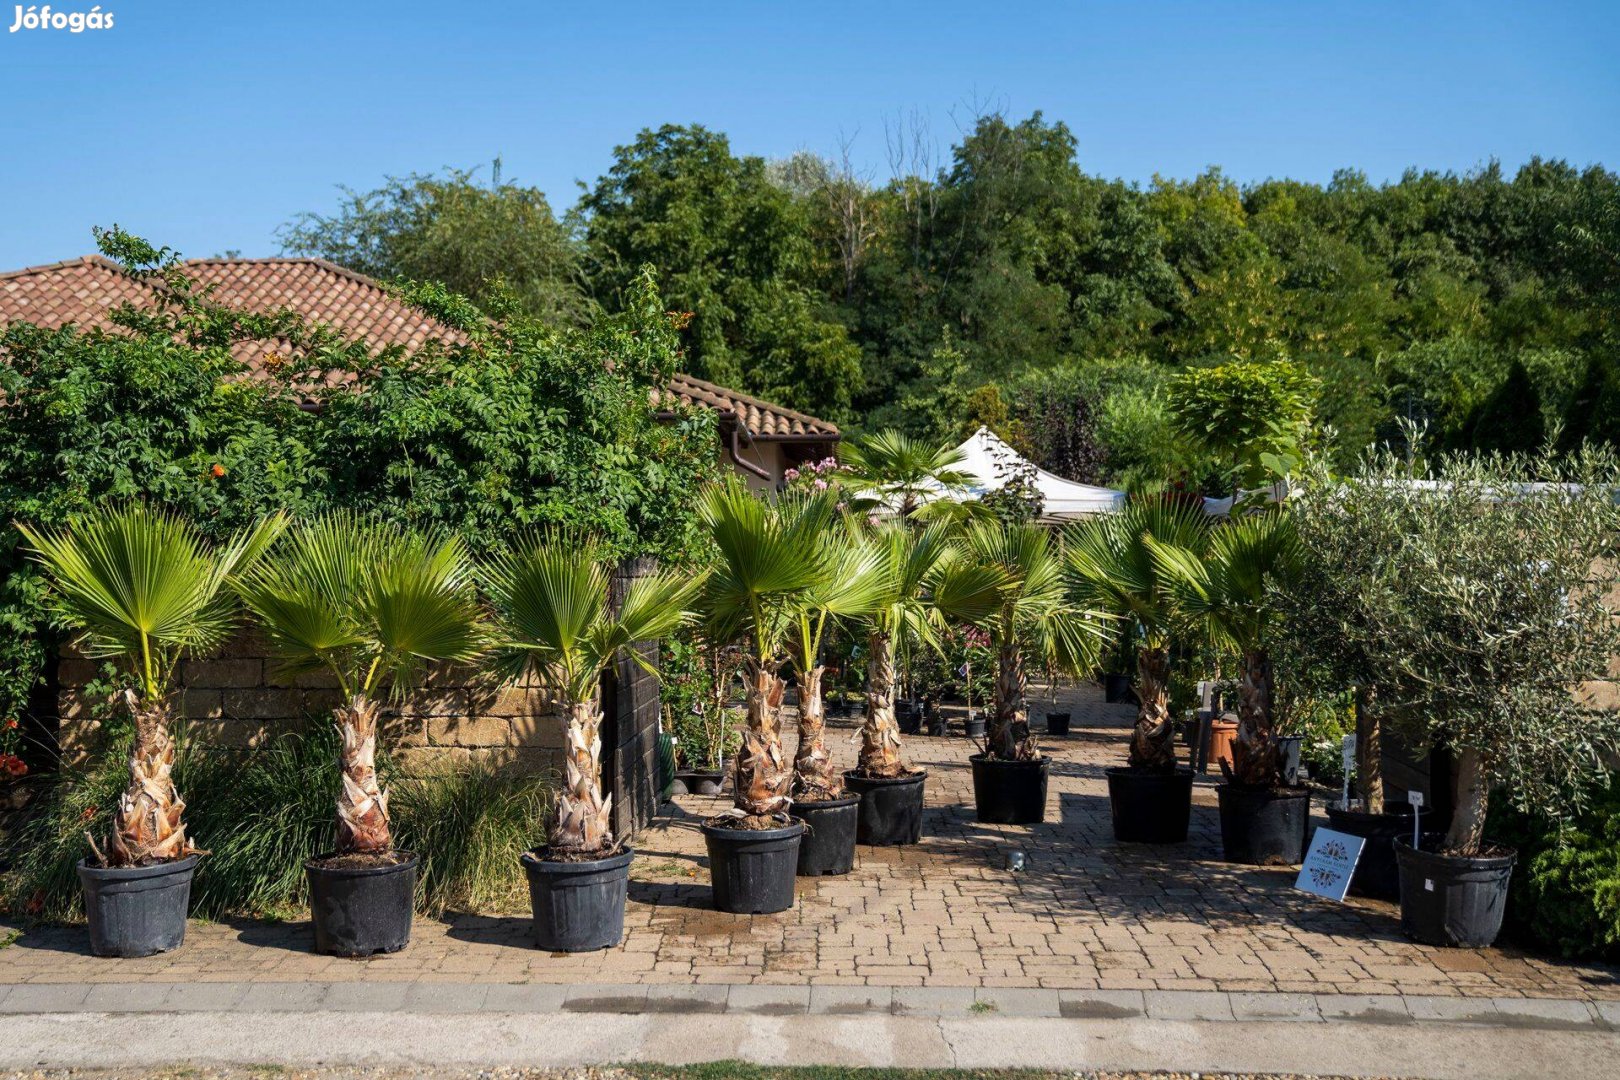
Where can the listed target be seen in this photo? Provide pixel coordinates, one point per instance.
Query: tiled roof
(81, 291)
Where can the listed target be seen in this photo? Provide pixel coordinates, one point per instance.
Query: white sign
(1329, 863)
(1347, 746)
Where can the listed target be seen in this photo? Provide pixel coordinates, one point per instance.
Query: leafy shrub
(261, 813)
(1566, 884)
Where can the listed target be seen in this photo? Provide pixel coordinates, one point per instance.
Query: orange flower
(89, 814)
(11, 722)
(218, 470)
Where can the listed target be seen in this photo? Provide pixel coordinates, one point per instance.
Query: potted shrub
(1496, 613)
(1017, 597)
(550, 593)
(371, 603)
(848, 585)
(1112, 568)
(145, 590)
(698, 674)
(766, 563)
(891, 790)
(1229, 592)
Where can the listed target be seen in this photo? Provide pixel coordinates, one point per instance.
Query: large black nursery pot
(1150, 806)
(578, 906)
(1264, 826)
(751, 870)
(137, 910)
(1452, 900)
(1377, 874)
(362, 910)
(828, 844)
(1057, 723)
(1009, 792)
(891, 810)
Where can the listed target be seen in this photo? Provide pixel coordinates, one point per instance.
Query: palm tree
(1228, 592)
(372, 603)
(1026, 611)
(1112, 568)
(902, 471)
(850, 585)
(768, 566)
(550, 595)
(146, 591)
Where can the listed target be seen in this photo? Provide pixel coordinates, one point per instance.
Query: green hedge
(1566, 885)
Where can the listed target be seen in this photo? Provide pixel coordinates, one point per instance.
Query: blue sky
(204, 126)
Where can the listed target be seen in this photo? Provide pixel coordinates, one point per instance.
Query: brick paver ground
(1085, 914)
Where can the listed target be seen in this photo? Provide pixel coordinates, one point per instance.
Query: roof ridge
(726, 391)
(45, 268)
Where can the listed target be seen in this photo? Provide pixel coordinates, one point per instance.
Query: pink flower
(820, 485)
(791, 474)
(872, 520)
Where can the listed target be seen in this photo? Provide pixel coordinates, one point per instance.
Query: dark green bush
(1566, 885)
(261, 813)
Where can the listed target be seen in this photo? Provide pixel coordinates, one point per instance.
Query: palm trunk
(1467, 832)
(362, 807)
(1009, 727)
(762, 779)
(813, 776)
(584, 822)
(1151, 744)
(148, 824)
(1254, 755)
(880, 735)
(1369, 751)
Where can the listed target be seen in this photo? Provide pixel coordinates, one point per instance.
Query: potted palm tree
(372, 604)
(1111, 568)
(908, 563)
(555, 622)
(145, 591)
(1230, 593)
(767, 564)
(1019, 599)
(850, 586)
(901, 473)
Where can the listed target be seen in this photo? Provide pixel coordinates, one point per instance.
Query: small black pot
(137, 910)
(578, 906)
(1451, 900)
(1009, 792)
(975, 728)
(1264, 826)
(1057, 723)
(891, 810)
(828, 845)
(1150, 807)
(1116, 687)
(751, 870)
(908, 716)
(363, 910)
(1377, 874)
(938, 726)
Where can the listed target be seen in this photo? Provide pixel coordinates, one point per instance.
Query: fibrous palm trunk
(813, 777)
(762, 778)
(584, 821)
(1369, 751)
(148, 824)
(1009, 726)
(1254, 754)
(362, 807)
(1467, 831)
(1151, 743)
(880, 735)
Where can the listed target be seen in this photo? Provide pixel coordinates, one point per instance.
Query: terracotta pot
(1222, 734)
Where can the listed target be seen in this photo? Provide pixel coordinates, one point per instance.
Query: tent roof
(990, 461)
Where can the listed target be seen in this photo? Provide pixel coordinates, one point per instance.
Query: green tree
(1509, 420)
(1254, 416)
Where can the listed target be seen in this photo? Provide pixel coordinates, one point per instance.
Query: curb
(752, 1000)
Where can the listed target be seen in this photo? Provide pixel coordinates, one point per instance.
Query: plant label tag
(1329, 863)
(1415, 798)
(1428, 884)
(1347, 746)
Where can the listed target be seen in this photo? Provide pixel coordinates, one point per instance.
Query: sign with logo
(1329, 862)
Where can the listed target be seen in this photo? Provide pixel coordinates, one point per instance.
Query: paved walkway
(1086, 914)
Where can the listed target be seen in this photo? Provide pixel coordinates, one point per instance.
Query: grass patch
(981, 1007)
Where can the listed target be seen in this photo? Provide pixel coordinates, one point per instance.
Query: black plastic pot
(1264, 826)
(891, 810)
(908, 716)
(751, 870)
(1116, 687)
(1451, 900)
(938, 727)
(137, 910)
(1057, 723)
(1150, 807)
(1377, 874)
(828, 844)
(578, 906)
(359, 911)
(974, 728)
(1009, 792)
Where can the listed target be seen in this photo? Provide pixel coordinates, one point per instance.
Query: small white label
(1428, 885)
(1348, 745)
(1415, 798)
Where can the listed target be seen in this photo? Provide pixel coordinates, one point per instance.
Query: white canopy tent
(992, 463)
